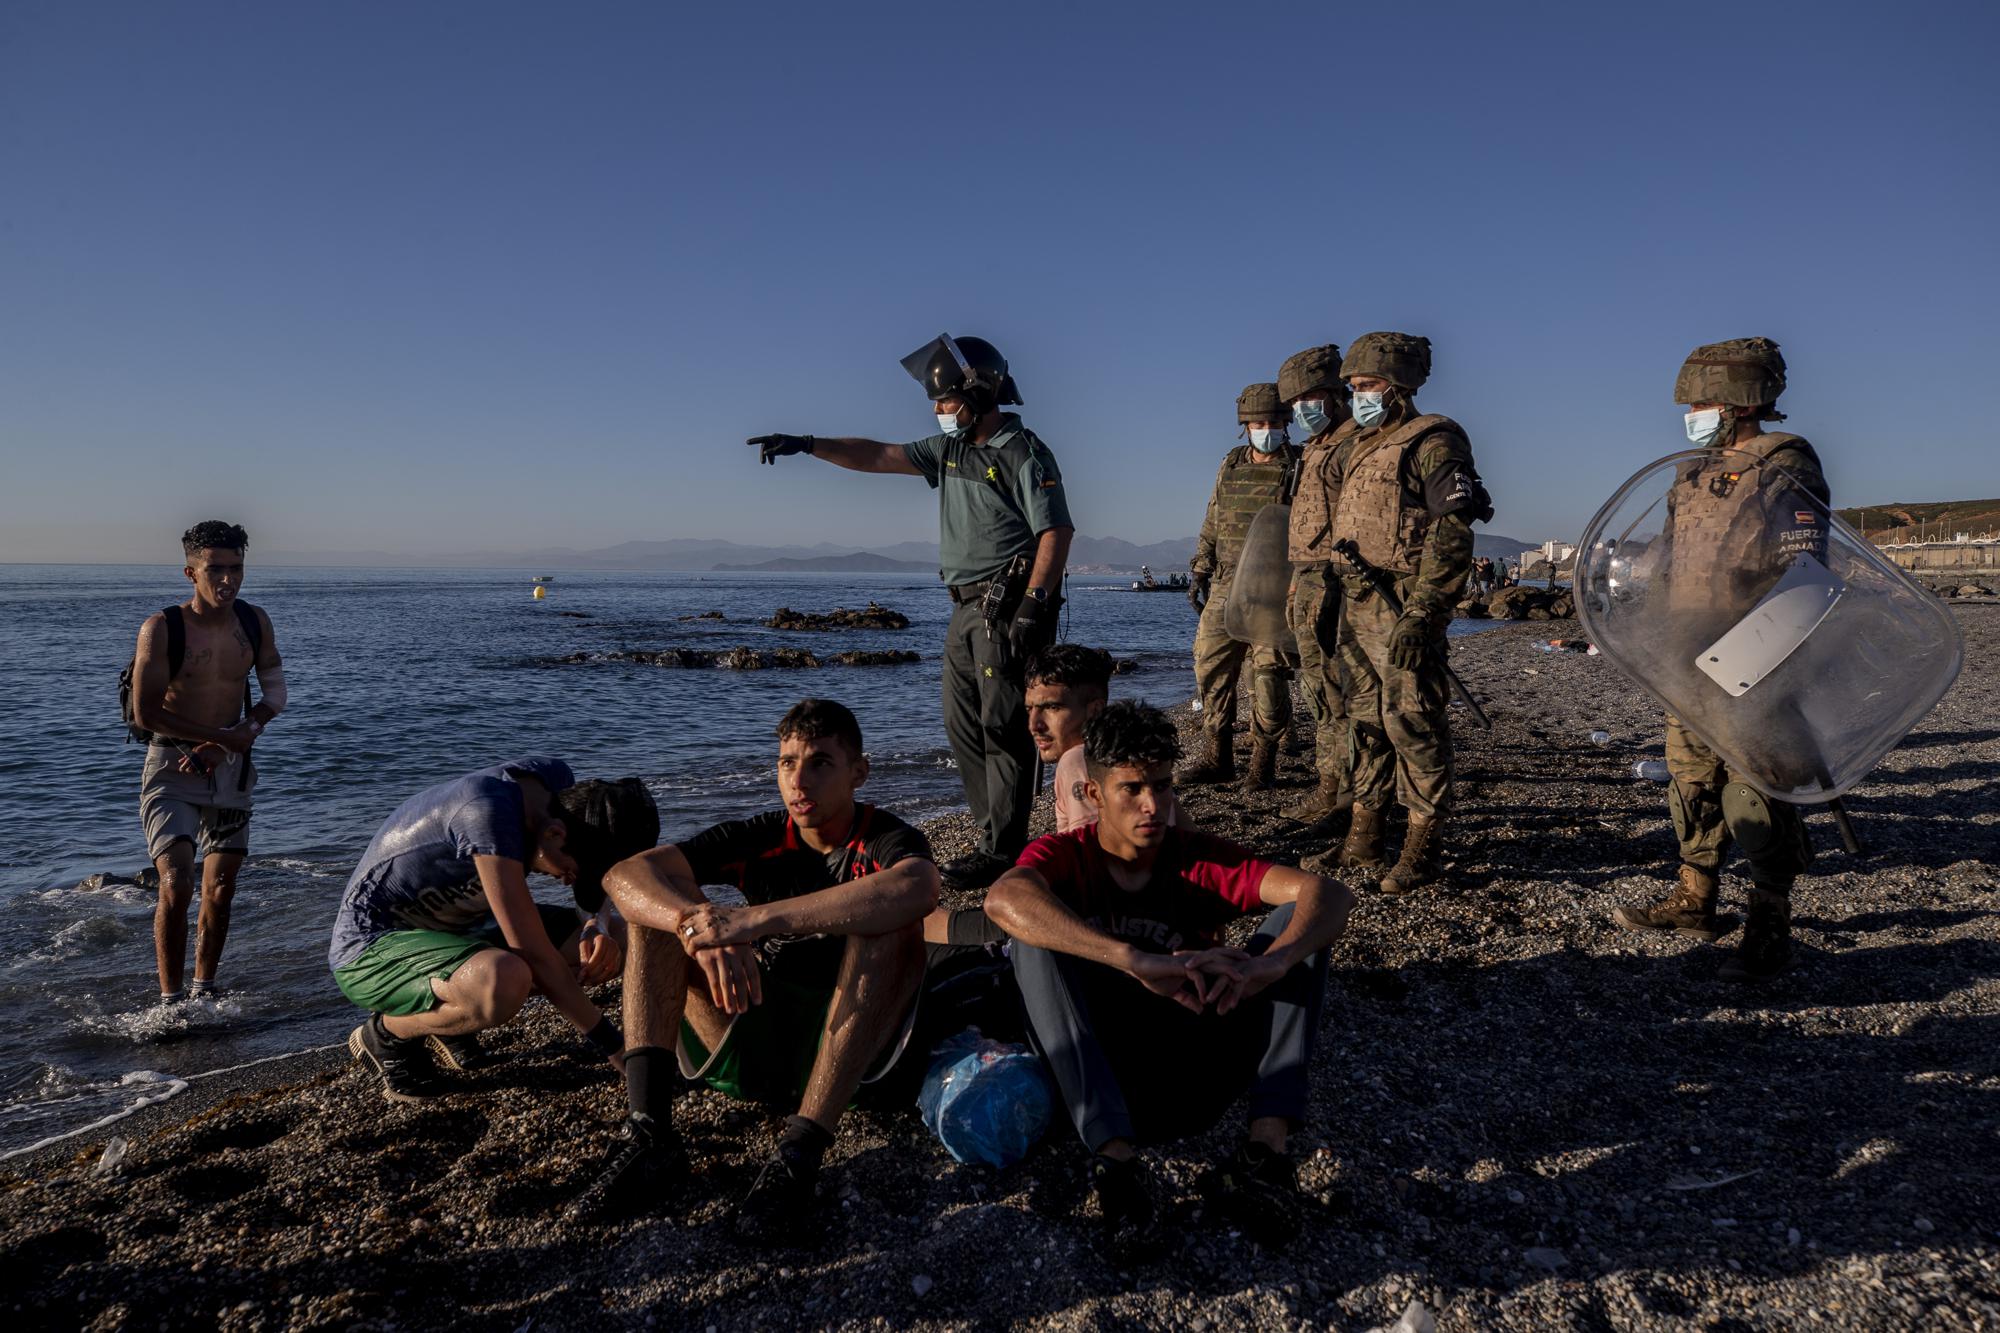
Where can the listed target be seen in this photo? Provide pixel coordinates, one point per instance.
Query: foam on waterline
(159, 1087)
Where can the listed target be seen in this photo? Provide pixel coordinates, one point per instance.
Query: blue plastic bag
(987, 1101)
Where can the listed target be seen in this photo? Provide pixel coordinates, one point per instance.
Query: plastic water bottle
(1600, 738)
(1652, 770)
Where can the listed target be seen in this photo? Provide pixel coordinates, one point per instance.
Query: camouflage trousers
(1315, 623)
(1402, 736)
(1218, 669)
(1776, 845)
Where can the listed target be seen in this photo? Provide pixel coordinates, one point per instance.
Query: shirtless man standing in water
(198, 775)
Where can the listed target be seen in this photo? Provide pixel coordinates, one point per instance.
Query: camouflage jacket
(1246, 482)
(1423, 538)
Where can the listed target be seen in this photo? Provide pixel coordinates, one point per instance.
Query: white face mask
(1705, 426)
(948, 423)
(1266, 439)
(1370, 406)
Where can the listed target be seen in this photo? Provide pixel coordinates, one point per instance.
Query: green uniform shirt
(994, 499)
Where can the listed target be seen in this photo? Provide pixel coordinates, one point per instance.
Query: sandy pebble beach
(1524, 1117)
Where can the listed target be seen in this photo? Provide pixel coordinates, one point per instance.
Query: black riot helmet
(972, 368)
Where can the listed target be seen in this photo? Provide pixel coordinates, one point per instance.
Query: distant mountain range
(1087, 555)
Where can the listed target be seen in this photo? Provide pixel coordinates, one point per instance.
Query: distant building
(1557, 552)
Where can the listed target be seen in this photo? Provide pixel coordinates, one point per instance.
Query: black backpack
(246, 616)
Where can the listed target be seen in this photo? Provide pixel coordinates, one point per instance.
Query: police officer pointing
(1003, 542)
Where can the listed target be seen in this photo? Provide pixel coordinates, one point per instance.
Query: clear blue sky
(472, 276)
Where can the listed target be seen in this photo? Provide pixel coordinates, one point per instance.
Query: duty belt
(961, 593)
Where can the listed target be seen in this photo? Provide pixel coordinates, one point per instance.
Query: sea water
(399, 679)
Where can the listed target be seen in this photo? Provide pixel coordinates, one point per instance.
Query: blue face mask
(1704, 427)
(1266, 439)
(1371, 407)
(948, 423)
(1309, 414)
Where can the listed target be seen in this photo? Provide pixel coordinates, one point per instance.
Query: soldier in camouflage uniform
(1309, 383)
(1731, 388)
(1252, 476)
(1408, 497)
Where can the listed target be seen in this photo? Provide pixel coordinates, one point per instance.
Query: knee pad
(1770, 833)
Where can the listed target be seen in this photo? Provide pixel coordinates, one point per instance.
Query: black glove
(770, 448)
(1410, 640)
(1024, 634)
(1198, 591)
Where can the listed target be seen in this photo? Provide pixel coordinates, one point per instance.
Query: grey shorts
(212, 812)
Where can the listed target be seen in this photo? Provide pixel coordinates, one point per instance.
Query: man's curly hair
(214, 535)
(1071, 666)
(821, 719)
(1129, 735)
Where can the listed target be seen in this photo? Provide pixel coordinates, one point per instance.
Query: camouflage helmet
(1403, 359)
(1743, 372)
(1260, 402)
(1314, 368)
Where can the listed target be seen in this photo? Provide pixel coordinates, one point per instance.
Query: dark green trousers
(986, 718)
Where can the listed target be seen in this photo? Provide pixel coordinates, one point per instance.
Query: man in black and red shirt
(1151, 1026)
(798, 996)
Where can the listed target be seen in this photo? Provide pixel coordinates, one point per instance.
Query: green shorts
(393, 974)
(767, 1054)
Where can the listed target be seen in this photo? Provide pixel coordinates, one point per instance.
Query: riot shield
(1774, 631)
(1254, 607)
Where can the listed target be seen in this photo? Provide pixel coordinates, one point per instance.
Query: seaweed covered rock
(1525, 603)
(872, 616)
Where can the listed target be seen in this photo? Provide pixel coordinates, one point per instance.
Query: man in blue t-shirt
(796, 998)
(1003, 543)
(438, 936)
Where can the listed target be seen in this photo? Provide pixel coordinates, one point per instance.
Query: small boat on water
(1147, 583)
(545, 578)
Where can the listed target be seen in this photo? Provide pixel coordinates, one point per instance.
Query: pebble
(922, 1284)
(1923, 1224)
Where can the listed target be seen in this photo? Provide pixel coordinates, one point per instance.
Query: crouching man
(796, 998)
(438, 937)
(1151, 1027)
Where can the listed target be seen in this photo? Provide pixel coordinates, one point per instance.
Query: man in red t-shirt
(1151, 1027)
(796, 997)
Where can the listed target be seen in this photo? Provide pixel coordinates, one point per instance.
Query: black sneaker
(779, 1209)
(462, 1055)
(1257, 1191)
(646, 1161)
(976, 870)
(406, 1073)
(1126, 1213)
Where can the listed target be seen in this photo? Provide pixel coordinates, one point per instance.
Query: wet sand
(1524, 1117)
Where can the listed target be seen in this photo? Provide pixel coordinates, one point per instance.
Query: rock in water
(872, 616)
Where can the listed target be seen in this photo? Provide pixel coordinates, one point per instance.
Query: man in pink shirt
(1151, 1025)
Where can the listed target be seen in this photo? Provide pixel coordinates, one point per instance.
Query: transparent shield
(1774, 631)
(1254, 611)
(917, 363)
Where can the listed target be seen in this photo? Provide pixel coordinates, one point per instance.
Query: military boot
(1262, 775)
(1766, 947)
(1417, 866)
(1217, 763)
(1318, 809)
(1688, 910)
(1363, 848)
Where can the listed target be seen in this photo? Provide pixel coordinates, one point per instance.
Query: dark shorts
(767, 1053)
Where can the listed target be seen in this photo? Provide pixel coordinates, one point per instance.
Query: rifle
(1382, 583)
